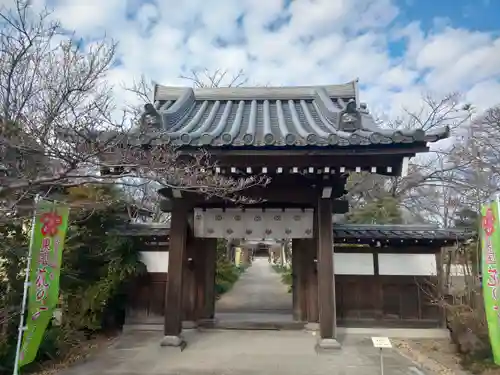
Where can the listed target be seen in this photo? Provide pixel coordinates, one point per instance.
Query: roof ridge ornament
(151, 117)
(350, 118)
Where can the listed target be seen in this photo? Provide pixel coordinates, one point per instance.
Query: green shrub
(242, 268)
(286, 275)
(227, 273)
(287, 279)
(278, 268)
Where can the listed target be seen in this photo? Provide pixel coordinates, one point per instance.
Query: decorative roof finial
(351, 107)
(150, 116)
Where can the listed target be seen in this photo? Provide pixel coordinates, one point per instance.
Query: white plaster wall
(353, 264)
(407, 264)
(155, 261)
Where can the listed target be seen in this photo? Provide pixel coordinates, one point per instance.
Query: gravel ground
(435, 355)
(77, 355)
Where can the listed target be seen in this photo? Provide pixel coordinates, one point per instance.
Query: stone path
(216, 352)
(259, 290)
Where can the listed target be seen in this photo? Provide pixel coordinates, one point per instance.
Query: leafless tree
(477, 158)
(430, 175)
(144, 202)
(217, 78)
(436, 200)
(445, 111)
(474, 181)
(480, 146)
(60, 125)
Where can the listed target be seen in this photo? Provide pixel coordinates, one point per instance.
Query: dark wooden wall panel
(147, 298)
(385, 299)
(410, 301)
(390, 300)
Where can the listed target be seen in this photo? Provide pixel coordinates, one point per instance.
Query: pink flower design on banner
(488, 222)
(51, 222)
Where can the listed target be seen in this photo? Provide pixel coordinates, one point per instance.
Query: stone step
(252, 325)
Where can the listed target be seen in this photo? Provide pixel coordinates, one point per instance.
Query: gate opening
(262, 297)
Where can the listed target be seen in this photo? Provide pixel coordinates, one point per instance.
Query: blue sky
(399, 49)
(473, 15)
(480, 15)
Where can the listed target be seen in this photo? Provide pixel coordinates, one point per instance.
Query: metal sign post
(21, 328)
(381, 343)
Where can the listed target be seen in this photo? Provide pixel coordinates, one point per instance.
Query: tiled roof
(349, 233)
(145, 229)
(367, 232)
(272, 116)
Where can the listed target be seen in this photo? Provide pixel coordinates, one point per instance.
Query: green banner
(47, 243)
(490, 242)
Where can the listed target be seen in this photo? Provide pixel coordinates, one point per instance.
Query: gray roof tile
(272, 116)
(350, 233)
(401, 232)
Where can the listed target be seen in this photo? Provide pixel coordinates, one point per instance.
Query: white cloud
(90, 17)
(320, 42)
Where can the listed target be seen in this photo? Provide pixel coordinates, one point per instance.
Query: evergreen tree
(384, 210)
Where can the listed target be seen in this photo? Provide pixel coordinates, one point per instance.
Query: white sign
(381, 342)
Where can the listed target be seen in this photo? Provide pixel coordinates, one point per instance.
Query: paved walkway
(259, 294)
(259, 289)
(216, 352)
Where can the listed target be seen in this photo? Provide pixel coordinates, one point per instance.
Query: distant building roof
(272, 116)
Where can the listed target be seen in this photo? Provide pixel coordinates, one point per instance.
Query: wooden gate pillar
(188, 280)
(305, 279)
(207, 286)
(310, 270)
(326, 277)
(299, 286)
(193, 266)
(173, 300)
(199, 280)
(200, 266)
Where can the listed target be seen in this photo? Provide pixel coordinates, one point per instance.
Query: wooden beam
(326, 283)
(341, 248)
(339, 206)
(350, 162)
(278, 190)
(173, 300)
(398, 149)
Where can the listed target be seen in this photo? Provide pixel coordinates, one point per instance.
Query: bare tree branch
(430, 191)
(217, 78)
(60, 126)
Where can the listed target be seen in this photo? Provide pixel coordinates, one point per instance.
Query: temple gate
(307, 140)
